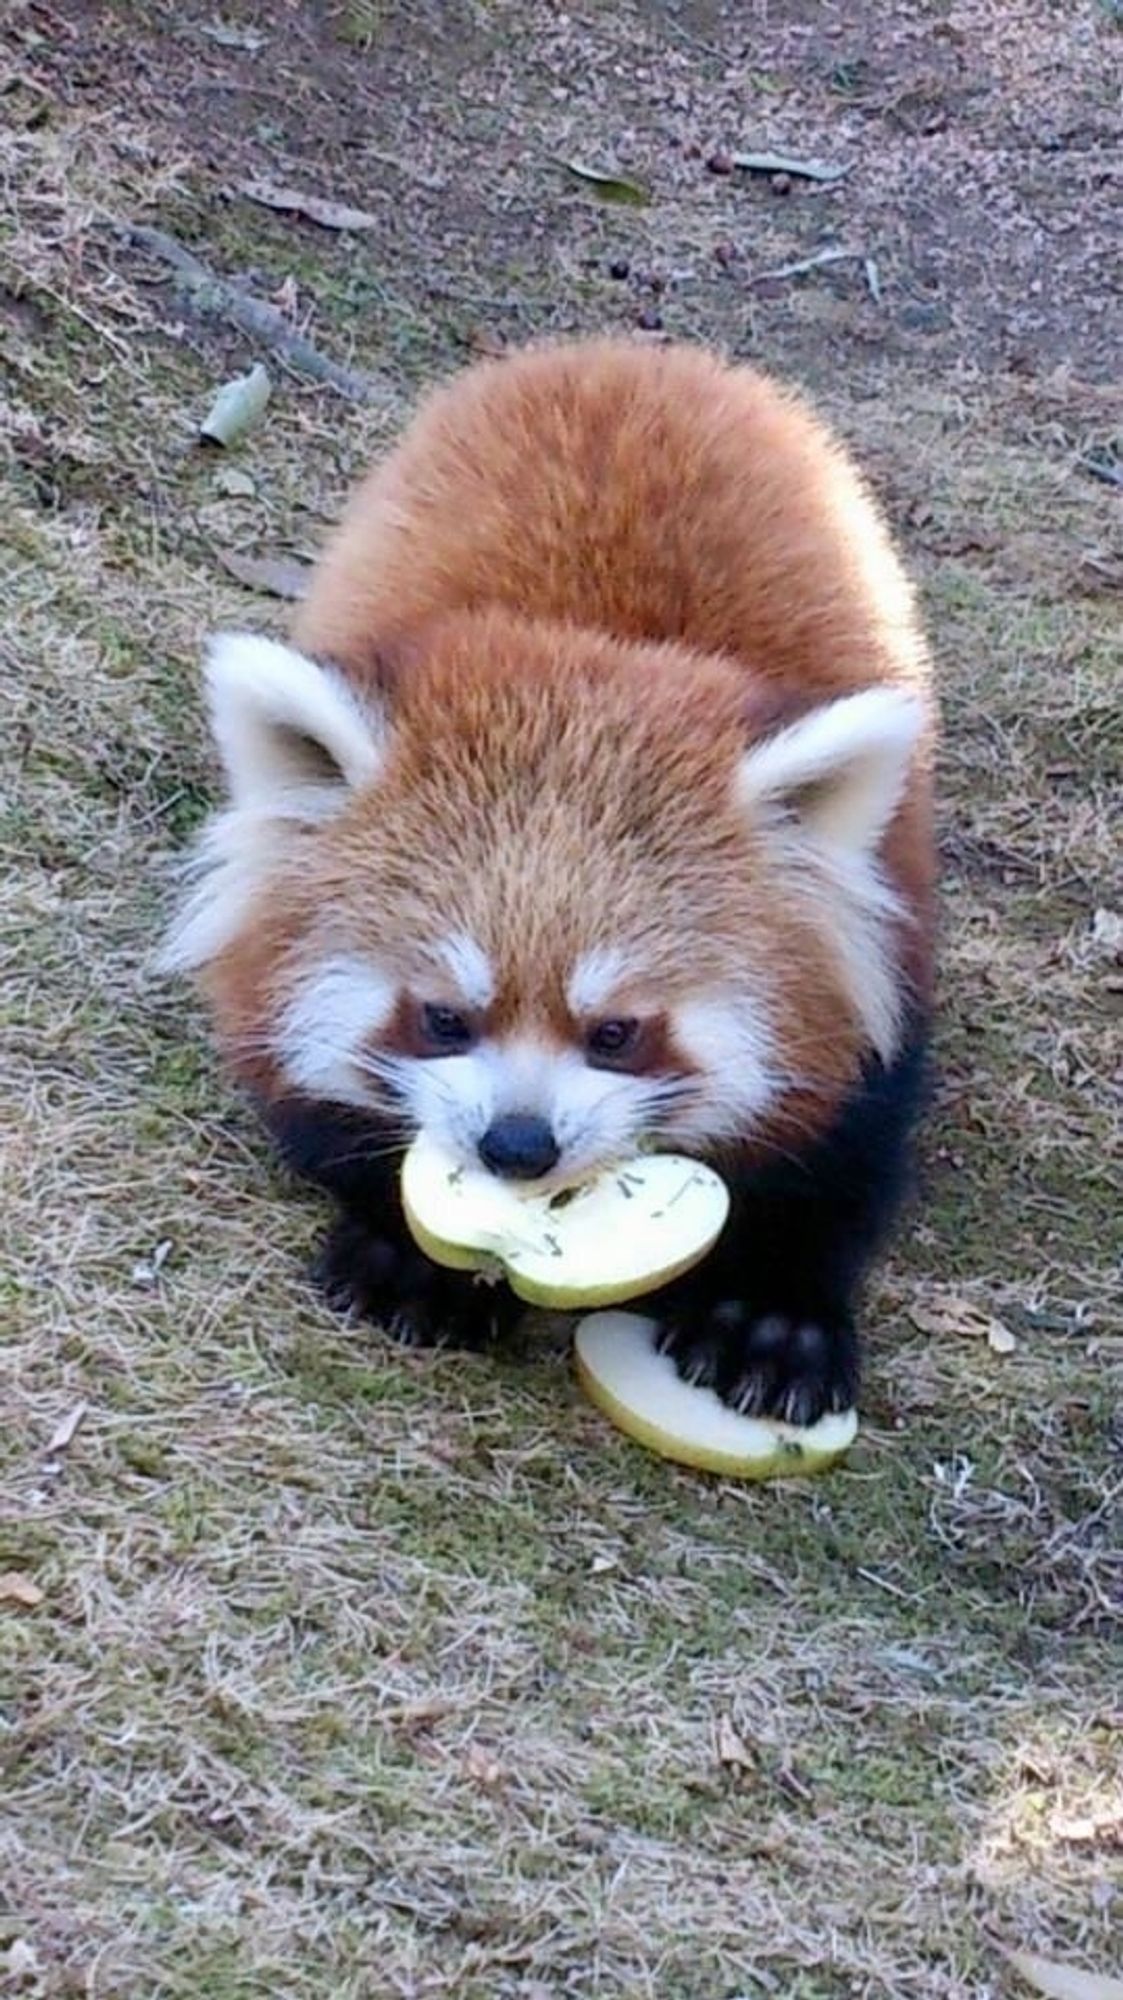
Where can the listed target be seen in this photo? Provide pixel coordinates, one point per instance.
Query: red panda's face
(547, 908)
(553, 1085)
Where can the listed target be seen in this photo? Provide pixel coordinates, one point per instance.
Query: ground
(332, 1671)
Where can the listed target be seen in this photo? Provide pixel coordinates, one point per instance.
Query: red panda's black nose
(519, 1147)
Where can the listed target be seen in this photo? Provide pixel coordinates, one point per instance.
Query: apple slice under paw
(616, 1236)
(640, 1390)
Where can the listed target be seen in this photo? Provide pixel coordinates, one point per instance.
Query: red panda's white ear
(839, 772)
(293, 737)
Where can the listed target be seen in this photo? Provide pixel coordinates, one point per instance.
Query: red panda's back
(651, 493)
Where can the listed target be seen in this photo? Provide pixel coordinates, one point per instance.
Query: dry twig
(223, 299)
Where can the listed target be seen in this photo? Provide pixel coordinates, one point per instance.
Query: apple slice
(625, 1232)
(621, 1370)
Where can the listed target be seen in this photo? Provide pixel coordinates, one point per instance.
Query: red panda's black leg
(415, 1301)
(768, 1320)
(369, 1264)
(796, 1363)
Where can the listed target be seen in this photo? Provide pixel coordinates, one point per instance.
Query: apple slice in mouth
(623, 1232)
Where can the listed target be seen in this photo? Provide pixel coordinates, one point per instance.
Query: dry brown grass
(362, 1674)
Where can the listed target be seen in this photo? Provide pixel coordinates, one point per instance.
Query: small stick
(883, 1583)
(806, 264)
(212, 294)
(1102, 468)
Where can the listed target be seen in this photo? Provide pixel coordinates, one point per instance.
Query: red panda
(591, 807)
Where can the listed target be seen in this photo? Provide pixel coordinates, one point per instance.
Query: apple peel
(640, 1391)
(626, 1232)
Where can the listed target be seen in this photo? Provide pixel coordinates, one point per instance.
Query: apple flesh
(625, 1232)
(621, 1370)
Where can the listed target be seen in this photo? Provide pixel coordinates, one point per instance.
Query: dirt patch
(354, 1673)
(979, 199)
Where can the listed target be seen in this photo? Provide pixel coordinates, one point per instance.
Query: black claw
(415, 1302)
(697, 1355)
(776, 1364)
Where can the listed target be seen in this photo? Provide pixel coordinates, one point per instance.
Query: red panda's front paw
(414, 1301)
(792, 1365)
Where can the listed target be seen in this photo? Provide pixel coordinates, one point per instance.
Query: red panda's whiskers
(384, 1069)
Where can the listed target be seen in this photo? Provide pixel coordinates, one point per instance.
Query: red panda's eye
(612, 1041)
(446, 1030)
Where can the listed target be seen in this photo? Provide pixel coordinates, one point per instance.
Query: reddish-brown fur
(616, 565)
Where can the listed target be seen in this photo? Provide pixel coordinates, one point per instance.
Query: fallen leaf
(781, 163)
(291, 201)
(1089, 1831)
(229, 37)
(234, 483)
(64, 1432)
(952, 1315)
(608, 187)
(146, 1270)
(238, 406)
(481, 1766)
(732, 1749)
(23, 1960)
(1064, 1982)
(485, 341)
(15, 1588)
(274, 576)
(1107, 934)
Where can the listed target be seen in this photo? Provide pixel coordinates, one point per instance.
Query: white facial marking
(225, 874)
(728, 1038)
(450, 1097)
(468, 963)
(596, 976)
(855, 910)
(331, 1013)
(596, 1116)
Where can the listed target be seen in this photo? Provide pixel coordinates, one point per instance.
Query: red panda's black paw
(415, 1302)
(793, 1366)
